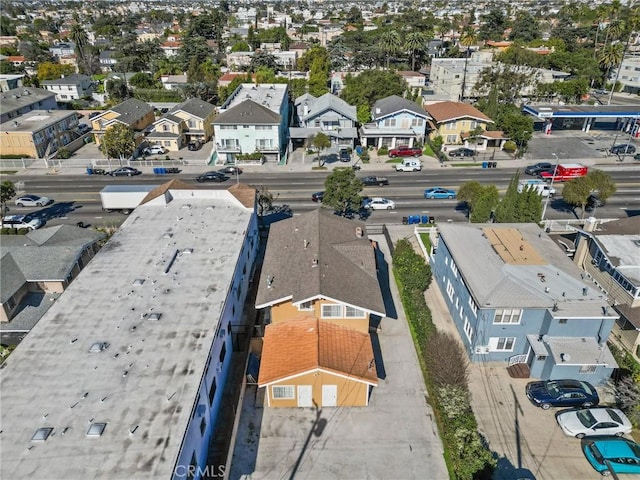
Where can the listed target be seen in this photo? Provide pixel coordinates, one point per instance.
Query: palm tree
(79, 37)
(610, 56)
(467, 39)
(601, 16)
(390, 43)
(415, 43)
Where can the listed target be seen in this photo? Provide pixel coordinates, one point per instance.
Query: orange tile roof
(305, 344)
(445, 111)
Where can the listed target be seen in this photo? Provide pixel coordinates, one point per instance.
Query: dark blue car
(562, 393)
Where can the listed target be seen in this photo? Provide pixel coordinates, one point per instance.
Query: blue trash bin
(484, 164)
(425, 219)
(358, 150)
(414, 219)
(89, 171)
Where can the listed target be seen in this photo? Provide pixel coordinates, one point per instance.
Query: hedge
(465, 451)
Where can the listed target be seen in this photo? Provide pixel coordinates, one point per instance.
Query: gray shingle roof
(345, 269)
(75, 79)
(195, 107)
(394, 103)
(247, 113)
(327, 102)
(132, 110)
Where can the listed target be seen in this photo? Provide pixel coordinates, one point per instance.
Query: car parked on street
(21, 221)
(608, 454)
(84, 128)
(562, 393)
(372, 180)
(154, 150)
(405, 152)
(32, 201)
(593, 421)
(537, 168)
(212, 177)
(439, 192)
(462, 152)
(344, 155)
(317, 197)
(593, 202)
(230, 170)
(124, 172)
(623, 149)
(379, 203)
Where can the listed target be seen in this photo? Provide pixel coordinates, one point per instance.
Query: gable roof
(446, 111)
(169, 117)
(393, 104)
(320, 254)
(298, 346)
(247, 112)
(132, 110)
(174, 184)
(75, 79)
(329, 101)
(195, 107)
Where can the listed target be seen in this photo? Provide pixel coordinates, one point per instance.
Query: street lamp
(546, 203)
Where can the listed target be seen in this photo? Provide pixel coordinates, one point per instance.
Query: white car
(21, 221)
(154, 150)
(32, 201)
(378, 203)
(593, 421)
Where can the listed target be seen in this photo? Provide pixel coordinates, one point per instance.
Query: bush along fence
(445, 370)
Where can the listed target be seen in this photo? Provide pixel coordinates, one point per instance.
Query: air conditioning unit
(482, 350)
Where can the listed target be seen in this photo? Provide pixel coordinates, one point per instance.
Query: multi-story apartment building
(69, 88)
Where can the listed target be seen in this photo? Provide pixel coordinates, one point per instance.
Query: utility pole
(546, 202)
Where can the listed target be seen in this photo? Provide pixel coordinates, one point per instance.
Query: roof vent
(138, 281)
(187, 250)
(42, 434)
(96, 429)
(98, 347)
(167, 235)
(565, 357)
(306, 243)
(154, 316)
(269, 280)
(584, 291)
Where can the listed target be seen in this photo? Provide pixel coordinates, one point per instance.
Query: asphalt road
(76, 198)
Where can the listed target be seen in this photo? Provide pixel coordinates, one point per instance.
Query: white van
(409, 165)
(540, 186)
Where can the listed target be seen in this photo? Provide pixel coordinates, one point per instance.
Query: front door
(305, 396)
(329, 395)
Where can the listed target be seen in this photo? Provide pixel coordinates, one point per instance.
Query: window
(450, 125)
(223, 352)
(417, 122)
(352, 312)
(264, 127)
(283, 392)
(264, 143)
(468, 330)
(203, 426)
(505, 344)
(452, 138)
(562, 321)
(331, 311)
(228, 127)
(306, 306)
(588, 369)
(473, 306)
(390, 122)
(454, 269)
(473, 124)
(165, 128)
(450, 290)
(508, 316)
(212, 391)
(192, 124)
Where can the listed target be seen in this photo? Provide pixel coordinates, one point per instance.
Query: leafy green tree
(354, 16)
(342, 191)
(207, 91)
(7, 28)
(53, 71)
(611, 56)
(370, 86)
(525, 28)
(194, 49)
(142, 80)
(516, 207)
(263, 59)
(119, 142)
(209, 25)
(485, 205)
(316, 53)
(576, 192)
(319, 77)
(118, 90)
(241, 46)
(363, 113)
(7, 191)
(321, 142)
(468, 193)
(493, 25)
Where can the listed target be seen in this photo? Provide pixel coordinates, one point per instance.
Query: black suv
(623, 149)
(538, 168)
(344, 155)
(212, 177)
(593, 202)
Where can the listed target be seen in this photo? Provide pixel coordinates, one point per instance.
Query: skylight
(42, 434)
(96, 429)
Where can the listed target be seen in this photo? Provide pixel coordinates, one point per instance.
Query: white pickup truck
(540, 186)
(123, 198)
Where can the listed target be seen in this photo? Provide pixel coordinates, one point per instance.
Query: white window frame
(501, 316)
(452, 138)
(453, 268)
(390, 122)
(468, 329)
(450, 290)
(306, 306)
(285, 392)
(332, 306)
(355, 312)
(505, 342)
(473, 306)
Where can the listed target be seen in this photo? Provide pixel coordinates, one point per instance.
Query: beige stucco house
(187, 122)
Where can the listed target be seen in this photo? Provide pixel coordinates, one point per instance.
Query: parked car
(32, 201)
(462, 152)
(124, 172)
(154, 150)
(21, 221)
(317, 197)
(562, 393)
(405, 152)
(636, 156)
(84, 128)
(608, 454)
(379, 203)
(211, 177)
(344, 155)
(373, 180)
(231, 170)
(593, 202)
(194, 146)
(94, 114)
(439, 192)
(593, 421)
(623, 149)
(537, 168)
(409, 166)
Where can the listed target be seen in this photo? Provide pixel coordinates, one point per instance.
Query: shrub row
(445, 370)
(14, 231)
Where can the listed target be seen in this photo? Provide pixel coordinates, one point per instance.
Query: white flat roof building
(122, 378)
(269, 95)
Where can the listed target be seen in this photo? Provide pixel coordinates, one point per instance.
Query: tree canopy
(576, 192)
(7, 191)
(371, 85)
(119, 141)
(342, 191)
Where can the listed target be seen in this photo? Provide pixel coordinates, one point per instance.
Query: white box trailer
(123, 198)
(540, 186)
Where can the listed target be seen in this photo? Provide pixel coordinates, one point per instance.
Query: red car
(405, 152)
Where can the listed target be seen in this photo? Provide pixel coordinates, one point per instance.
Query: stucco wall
(286, 311)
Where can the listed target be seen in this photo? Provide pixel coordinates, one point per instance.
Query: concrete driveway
(394, 437)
